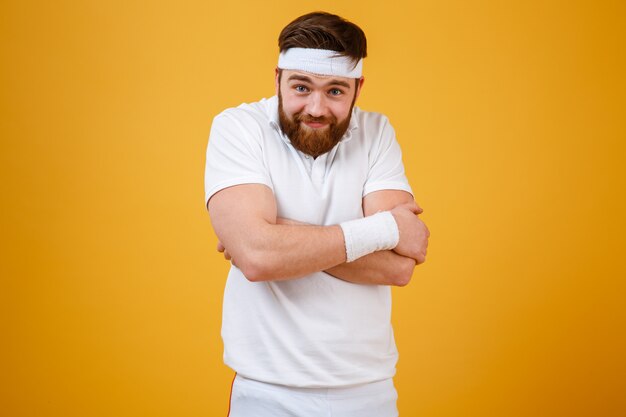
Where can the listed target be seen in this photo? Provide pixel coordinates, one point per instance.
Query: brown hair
(321, 30)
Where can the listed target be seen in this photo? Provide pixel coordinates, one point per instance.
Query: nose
(316, 106)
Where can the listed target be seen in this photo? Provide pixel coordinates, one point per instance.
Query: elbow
(254, 274)
(402, 280)
(404, 273)
(255, 268)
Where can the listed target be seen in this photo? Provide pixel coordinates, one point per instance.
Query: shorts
(250, 398)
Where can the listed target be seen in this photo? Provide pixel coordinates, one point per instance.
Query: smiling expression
(314, 111)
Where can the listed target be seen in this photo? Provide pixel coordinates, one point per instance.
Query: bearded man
(309, 200)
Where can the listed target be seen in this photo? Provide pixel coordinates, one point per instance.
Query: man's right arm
(244, 219)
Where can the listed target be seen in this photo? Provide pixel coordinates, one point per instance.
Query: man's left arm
(383, 267)
(385, 188)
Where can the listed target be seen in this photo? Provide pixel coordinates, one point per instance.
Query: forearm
(265, 247)
(244, 220)
(378, 268)
(280, 252)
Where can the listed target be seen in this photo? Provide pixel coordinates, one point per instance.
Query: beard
(314, 142)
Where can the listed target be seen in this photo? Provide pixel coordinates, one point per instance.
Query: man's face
(314, 110)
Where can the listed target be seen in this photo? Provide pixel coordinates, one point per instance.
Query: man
(308, 198)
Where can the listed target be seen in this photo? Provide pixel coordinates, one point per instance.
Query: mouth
(315, 125)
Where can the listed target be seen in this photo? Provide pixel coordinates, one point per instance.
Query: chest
(322, 191)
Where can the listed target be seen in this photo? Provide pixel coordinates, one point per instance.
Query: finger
(227, 255)
(220, 247)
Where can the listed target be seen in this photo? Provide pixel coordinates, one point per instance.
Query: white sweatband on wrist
(320, 62)
(370, 234)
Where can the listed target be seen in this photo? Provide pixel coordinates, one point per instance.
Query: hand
(413, 232)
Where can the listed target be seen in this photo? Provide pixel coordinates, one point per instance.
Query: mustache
(307, 118)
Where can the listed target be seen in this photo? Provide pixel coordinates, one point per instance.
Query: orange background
(511, 118)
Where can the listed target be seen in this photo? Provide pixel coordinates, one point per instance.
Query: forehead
(316, 79)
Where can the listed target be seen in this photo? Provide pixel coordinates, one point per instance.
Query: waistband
(371, 388)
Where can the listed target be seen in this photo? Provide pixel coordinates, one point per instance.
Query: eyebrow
(308, 80)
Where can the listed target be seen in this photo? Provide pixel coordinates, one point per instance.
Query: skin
(318, 96)
(381, 268)
(266, 247)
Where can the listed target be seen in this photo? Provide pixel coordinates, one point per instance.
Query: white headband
(319, 61)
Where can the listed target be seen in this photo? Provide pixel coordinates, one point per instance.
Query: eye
(301, 89)
(335, 92)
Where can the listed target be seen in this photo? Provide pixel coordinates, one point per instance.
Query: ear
(359, 86)
(276, 82)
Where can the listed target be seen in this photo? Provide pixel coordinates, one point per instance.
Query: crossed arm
(244, 218)
(383, 267)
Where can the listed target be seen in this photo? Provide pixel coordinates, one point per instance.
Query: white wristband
(370, 234)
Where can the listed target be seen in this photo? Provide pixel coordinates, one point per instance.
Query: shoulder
(370, 117)
(372, 128)
(246, 126)
(371, 122)
(247, 115)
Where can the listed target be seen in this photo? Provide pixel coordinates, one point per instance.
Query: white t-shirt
(316, 331)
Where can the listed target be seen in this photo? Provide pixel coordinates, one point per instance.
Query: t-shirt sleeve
(234, 156)
(386, 171)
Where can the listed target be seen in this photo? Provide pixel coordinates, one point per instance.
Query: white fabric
(320, 61)
(251, 398)
(369, 235)
(317, 331)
